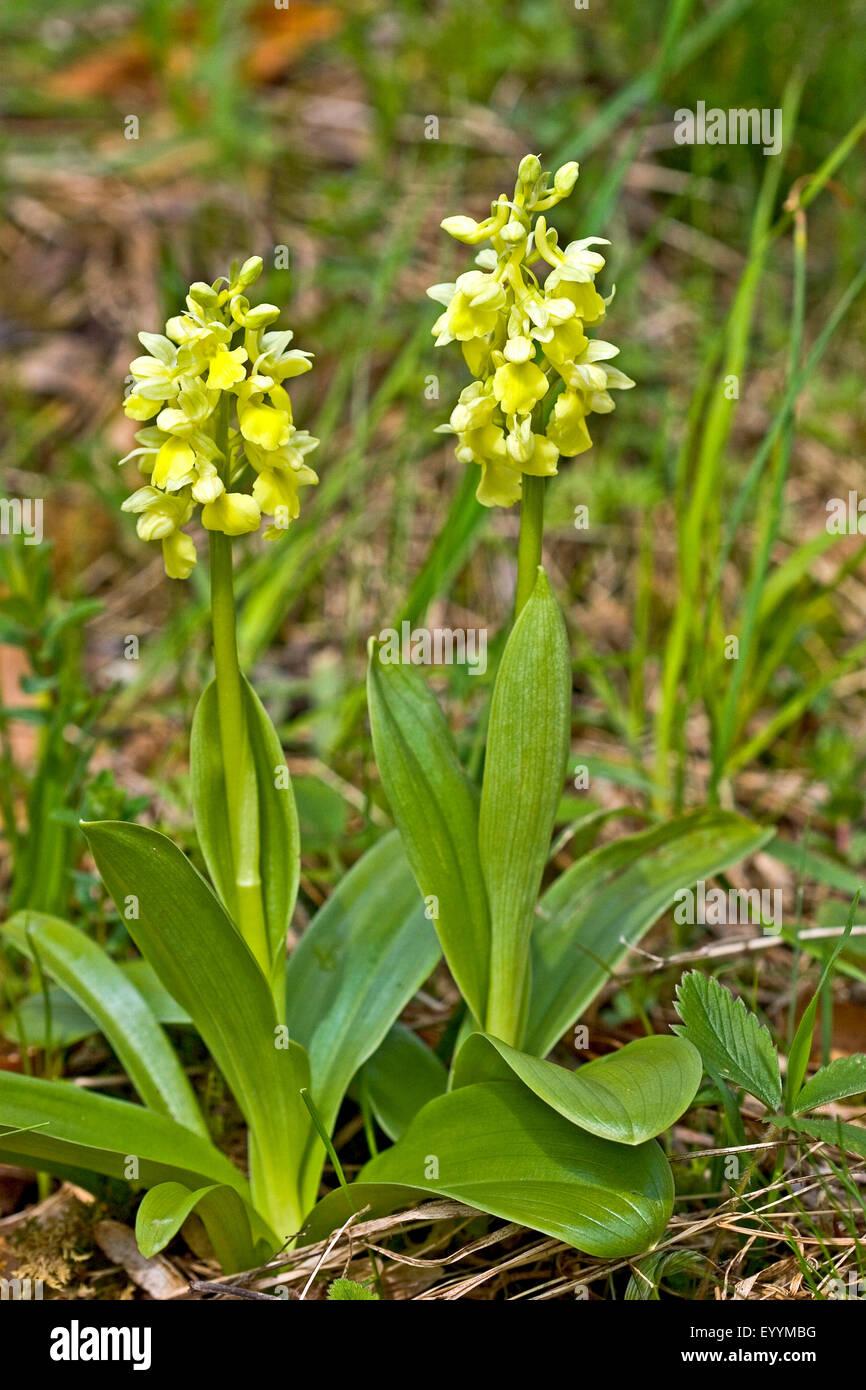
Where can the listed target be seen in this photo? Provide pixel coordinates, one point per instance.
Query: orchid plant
(493, 1123)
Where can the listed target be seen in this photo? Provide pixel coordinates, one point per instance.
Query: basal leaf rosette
(537, 373)
(215, 381)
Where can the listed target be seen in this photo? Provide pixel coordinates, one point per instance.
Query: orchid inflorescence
(195, 454)
(519, 335)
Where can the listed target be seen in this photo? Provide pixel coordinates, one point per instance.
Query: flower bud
(565, 178)
(513, 233)
(464, 229)
(529, 169)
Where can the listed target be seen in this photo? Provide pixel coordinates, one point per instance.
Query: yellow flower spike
(137, 408)
(276, 488)
(174, 464)
(226, 368)
(567, 341)
(179, 555)
(223, 438)
(233, 513)
(566, 428)
(500, 485)
(519, 386)
(264, 425)
(528, 303)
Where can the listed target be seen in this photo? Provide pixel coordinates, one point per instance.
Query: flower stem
(238, 770)
(529, 543)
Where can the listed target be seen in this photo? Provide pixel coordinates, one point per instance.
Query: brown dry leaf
(157, 1276)
(124, 62)
(284, 34)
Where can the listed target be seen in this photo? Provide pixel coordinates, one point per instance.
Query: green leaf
(363, 956)
(851, 1138)
(844, 1077)
(277, 830)
(628, 1097)
(596, 912)
(435, 807)
(68, 1023)
(162, 1005)
(524, 770)
(204, 963)
(497, 1147)
(65, 1126)
(648, 1273)
(801, 1047)
(227, 1220)
(100, 987)
(730, 1039)
(349, 1291)
(401, 1076)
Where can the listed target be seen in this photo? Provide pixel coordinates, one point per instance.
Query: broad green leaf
(596, 912)
(435, 807)
(366, 952)
(100, 987)
(401, 1076)
(730, 1039)
(65, 1126)
(276, 832)
(69, 1023)
(497, 1147)
(227, 1219)
(166, 1009)
(524, 770)
(204, 963)
(363, 956)
(628, 1097)
(801, 1047)
(844, 1077)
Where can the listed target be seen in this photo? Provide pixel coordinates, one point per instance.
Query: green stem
(529, 543)
(236, 754)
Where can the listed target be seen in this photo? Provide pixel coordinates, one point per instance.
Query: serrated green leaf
(524, 771)
(628, 1097)
(497, 1147)
(101, 988)
(730, 1039)
(435, 807)
(596, 912)
(851, 1138)
(844, 1077)
(350, 1291)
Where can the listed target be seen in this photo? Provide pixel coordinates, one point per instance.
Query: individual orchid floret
(520, 319)
(223, 437)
